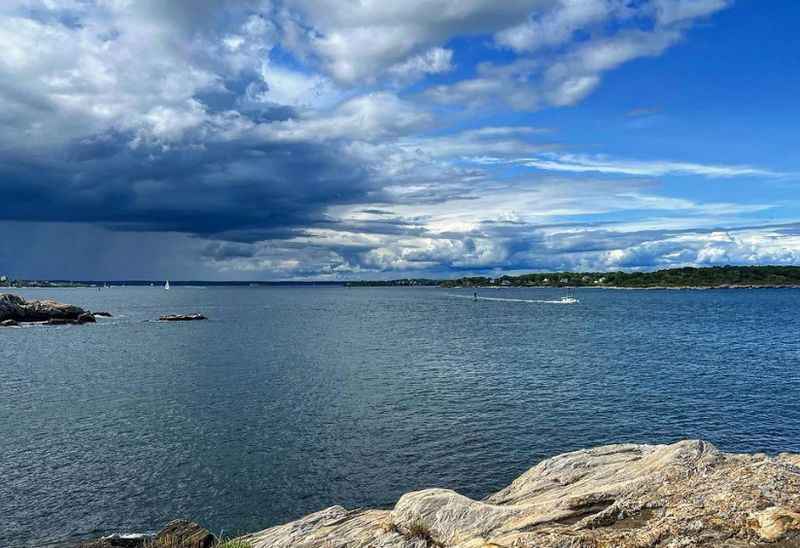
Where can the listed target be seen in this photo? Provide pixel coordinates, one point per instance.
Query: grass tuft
(234, 543)
(418, 529)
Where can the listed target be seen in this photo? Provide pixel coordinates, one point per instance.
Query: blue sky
(327, 139)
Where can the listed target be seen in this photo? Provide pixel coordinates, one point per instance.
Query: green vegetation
(717, 276)
(178, 542)
(5, 281)
(405, 282)
(233, 543)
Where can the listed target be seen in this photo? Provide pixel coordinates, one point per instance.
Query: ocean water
(288, 400)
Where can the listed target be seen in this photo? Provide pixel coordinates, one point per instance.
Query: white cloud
(295, 88)
(674, 11)
(433, 61)
(554, 69)
(562, 80)
(574, 163)
(743, 247)
(67, 82)
(556, 26)
(358, 41)
(489, 140)
(375, 116)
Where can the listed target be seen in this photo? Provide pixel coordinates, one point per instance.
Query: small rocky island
(15, 310)
(682, 495)
(181, 317)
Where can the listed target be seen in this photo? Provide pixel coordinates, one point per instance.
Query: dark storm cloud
(229, 190)
(394, 227)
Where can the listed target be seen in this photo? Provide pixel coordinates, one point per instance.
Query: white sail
(166, 285)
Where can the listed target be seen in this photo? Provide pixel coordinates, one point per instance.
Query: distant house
(3, 279)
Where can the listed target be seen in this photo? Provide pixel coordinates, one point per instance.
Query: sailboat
(166, 285)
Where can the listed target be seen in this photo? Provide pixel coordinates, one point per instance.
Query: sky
(366, 139)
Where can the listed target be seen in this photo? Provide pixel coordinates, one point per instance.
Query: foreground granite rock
(13, 307)
(680, 495)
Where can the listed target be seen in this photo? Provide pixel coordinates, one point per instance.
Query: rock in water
(8, 323)
(184, 534)
(685, 494)
(102, 314)
(120, 541)
(182, 317)
(177, 534)
(86, 317)
(14, 307)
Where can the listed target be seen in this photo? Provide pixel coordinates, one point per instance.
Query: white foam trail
(508, 300)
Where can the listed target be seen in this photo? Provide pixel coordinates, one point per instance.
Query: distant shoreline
(364, 285)
(624, 288)
(688, 278)
(704, 287)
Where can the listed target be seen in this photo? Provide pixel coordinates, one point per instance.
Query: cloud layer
(320, 138)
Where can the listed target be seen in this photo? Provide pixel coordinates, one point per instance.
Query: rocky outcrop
(119, 541)
(177, 534)
(14, 307)
(680, 495)
(184, 534)
(182, 317)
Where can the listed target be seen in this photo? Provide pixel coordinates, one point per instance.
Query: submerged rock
(685, 494)
(14, 307)
(182, 317)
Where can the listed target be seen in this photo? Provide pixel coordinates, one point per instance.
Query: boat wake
(510, 300)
